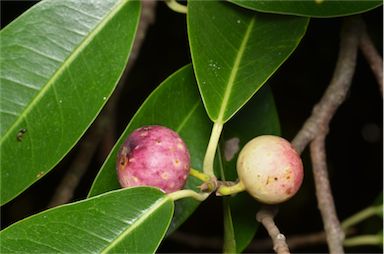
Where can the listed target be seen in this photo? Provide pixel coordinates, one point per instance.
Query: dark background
(354, 144)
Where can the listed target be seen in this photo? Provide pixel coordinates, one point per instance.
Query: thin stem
(360, 216)
(372, 56)
(337, 90)
(211, 149)
(265, 216)
(316, 127)
(188, 194)
(199, 175)
(364, 240)
(175, 6)
(332, 228)
(224, 190)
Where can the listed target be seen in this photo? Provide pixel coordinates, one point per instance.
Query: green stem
(175, 6)
(199, 175)
(188, 194)
(363, 240)
(211, 149)
(360, 216)
(229, 190)
(229, 245)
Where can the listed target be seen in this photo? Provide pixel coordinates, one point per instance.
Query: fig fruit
(153, 156)
(270, 169)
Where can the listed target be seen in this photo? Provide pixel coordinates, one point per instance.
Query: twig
(196, 241)
(334, 233)
(265, 216)
(64, 192)
(372, 56)
(316, 127)
(294, 242)
(337, 89)
(361, 215)
(257, 245)
(364, 240)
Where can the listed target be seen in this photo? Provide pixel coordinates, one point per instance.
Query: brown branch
(104, 125)
(316, 127)
(257, 245)
(372, 56)
(265, 216)
(332, 227)
(293, 241)
(337, 89)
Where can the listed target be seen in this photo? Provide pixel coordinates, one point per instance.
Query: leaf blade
(324, 9)
(236, 52)
(54, 50)
(112, 222)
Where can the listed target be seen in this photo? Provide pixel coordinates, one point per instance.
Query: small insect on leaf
(20, 134)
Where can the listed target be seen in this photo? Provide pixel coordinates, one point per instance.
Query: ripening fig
(270, 169)
(154, 156)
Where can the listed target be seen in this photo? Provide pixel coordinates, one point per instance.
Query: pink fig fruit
(270, 169)
(154, 156)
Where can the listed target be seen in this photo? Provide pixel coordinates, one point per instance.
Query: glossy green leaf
(258, 117)
(125, 221)
(234, 52)
(176, 104)
(60, 61)
(311, 8)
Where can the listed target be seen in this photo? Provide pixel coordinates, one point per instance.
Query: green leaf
(125, 221)
(234, 52)
(176, 104)
(258, 117)
(310, 8)
(60, 61)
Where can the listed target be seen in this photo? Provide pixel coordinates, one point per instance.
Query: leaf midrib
(234, 71)
(137, 223)
(77, 51)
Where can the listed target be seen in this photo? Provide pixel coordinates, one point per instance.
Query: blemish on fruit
(165, 175)
(123, 161)
(40, 174)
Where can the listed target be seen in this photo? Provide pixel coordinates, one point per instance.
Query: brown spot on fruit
(123, 161)
(165, 175)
